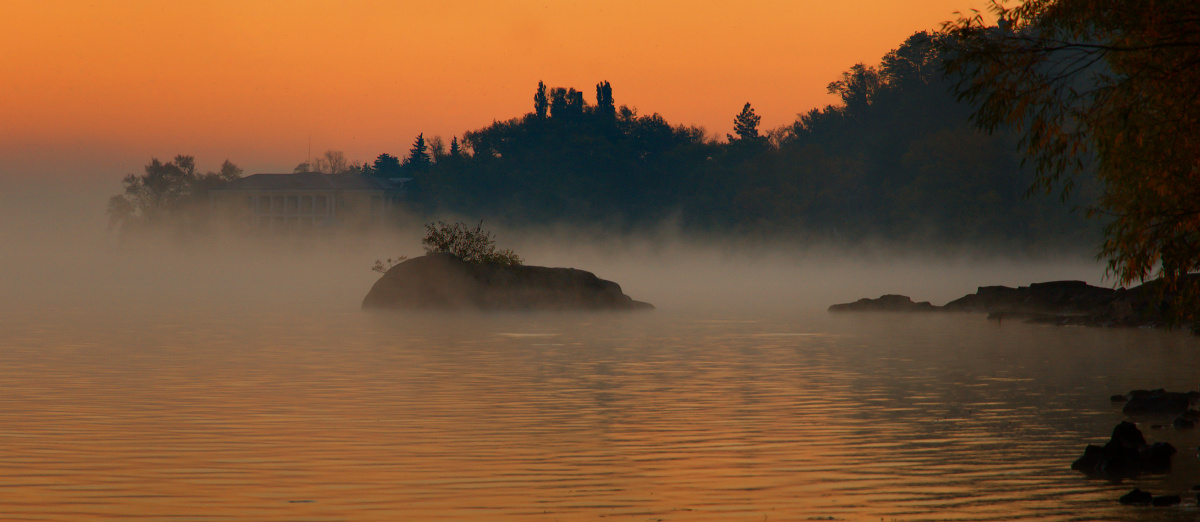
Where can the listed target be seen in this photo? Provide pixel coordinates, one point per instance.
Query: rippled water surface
(243, 385)
(328, 413)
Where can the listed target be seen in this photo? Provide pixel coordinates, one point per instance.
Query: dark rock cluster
(1054, 302)
(1158, 402)
(445, 282)
(1164, 403)
(1126, 455)
(1055, 297)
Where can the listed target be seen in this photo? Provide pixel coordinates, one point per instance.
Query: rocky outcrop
(445, 282)
(1159, 402)
(1055, 297)
(1054, 302)
(1126, 455)
(885, 303)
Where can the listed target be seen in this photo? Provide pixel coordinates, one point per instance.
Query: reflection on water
(312, 414)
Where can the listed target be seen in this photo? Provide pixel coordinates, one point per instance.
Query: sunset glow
(92, 90)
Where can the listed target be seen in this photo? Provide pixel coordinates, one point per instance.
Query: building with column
(307, 201)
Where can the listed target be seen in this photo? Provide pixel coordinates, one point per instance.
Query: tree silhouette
(605, 106)
(541, 103)
(1115, 83)
(418, 156)
(745, 125)
(566, 104)
(170, 191)
(331, 162)
(386, 166)
(558, 102)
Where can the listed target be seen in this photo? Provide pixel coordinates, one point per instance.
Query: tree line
(897, 158)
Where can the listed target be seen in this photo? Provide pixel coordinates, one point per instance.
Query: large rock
(445, 282)
(1054, 297)
(1159, 402)
(885, 303)
(1126, 455)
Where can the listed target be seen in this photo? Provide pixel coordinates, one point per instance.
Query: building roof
(305, 181)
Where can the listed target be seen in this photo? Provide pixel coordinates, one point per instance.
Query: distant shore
(1054, 302)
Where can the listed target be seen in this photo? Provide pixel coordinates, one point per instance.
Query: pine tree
(418, 156)
(746, 125)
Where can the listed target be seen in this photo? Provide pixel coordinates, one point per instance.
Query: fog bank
(58, 254)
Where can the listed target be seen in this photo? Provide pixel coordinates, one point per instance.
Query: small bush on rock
(470, 244)
(383, 266)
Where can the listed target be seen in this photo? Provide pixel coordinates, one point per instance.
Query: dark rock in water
(1136, 497)
(1092, 455)
(1158, 402)
(1118, 398)
(445, 282)
(1156, 458)
(1128, 436)
(886, 303)
(1125, 455)
(1165, 500)
(1183, 423)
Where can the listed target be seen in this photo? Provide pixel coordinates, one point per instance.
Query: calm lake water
(314, 411)
(240, 385)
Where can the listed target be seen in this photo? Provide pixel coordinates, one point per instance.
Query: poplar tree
(541, 102)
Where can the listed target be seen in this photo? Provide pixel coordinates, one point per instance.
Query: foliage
(331, 162)
(418, 157)
(387, 264)
(166, 191)
(541, 103)
(469, 244)
(897, 158)
(745, 125)
(386, 166)
(1112, 85)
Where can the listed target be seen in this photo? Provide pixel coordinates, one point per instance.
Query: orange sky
(92, 90)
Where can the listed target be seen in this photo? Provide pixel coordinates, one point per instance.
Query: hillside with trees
(897, 158)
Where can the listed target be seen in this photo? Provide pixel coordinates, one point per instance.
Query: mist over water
(59, 247)
(240, 380)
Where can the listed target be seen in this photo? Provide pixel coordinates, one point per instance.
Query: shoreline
(1062, 303)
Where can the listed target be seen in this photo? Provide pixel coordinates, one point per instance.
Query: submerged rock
(1166, 500)
(445, 282)
(1136, 497)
